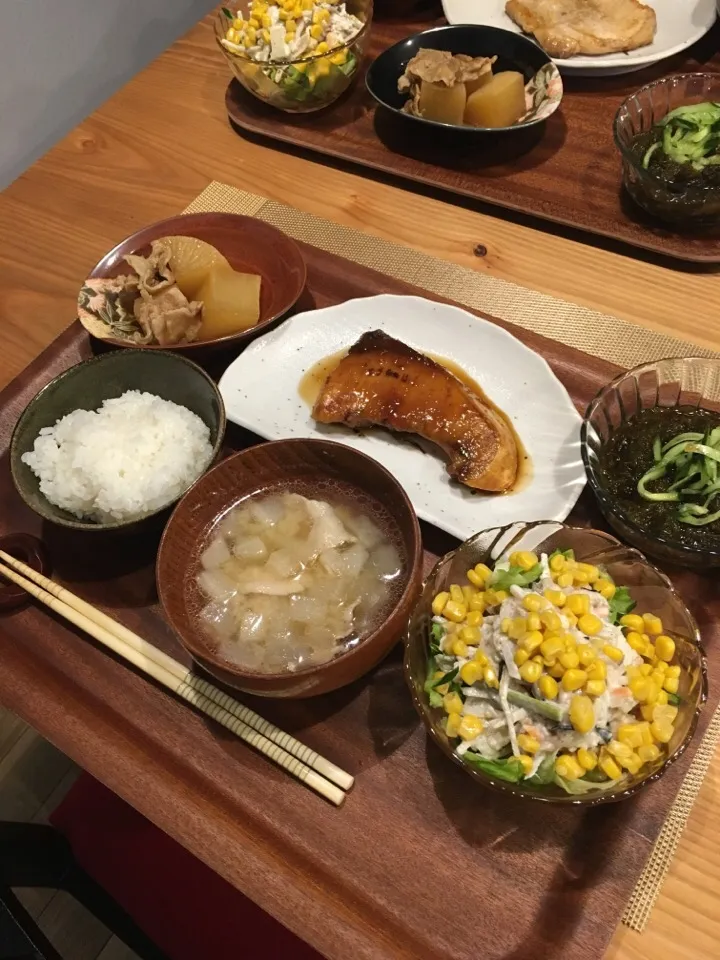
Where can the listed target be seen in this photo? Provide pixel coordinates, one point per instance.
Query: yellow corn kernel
(483, 571)
(648, 752)
(471, 635)
(467, 591)
(552, 646)
(521, 657)
(297, 11)
(519, 628)
(570, 641)
(578, 603)
(569, 659)
(527, 743)
(506, 624)
(608, 766)
(557, 563)
(548, 687)
(533, 603)
(439, 601)
(613, 653)
(557, 671)
(321, 15)
(646, 712)
(664, 648)
(633, 764)
(556, 597)
(470, 672)
(564, 580)
(526, 559)
(665, 714)
(571, 618)
(589, 624)
(247, 42)
(595, 688)
(673, 671)
(459, 648)
(633, 622)
(586, 758)
(490, 677)
(645, 734)
(671, 684)
(586, 654)
(477, 604)
(265, 34)
(452, 703)
(530, 671)
(567, 767)
(652, 624)
(526, 763)
(639, 688)
(662, 697)
(481, 658)
(473, 619)
(660, 668)
(283, 15)
(597, 670)
(538, 658)
(621, 751)
(582, 713)
(662, 732)
(456, 593)
(470, 727)
(452, 724)
(551, 620)
(534, 622)
(645, 669)
(495, 597)
(232, 36)
(635, 641)
(472, 576)
(653, 691)
(606, 588)
(456, 612)
(238, 23)
(573, 679)
(580, 578)
(631, 734)
(531, 642)
(253, 23)
(649, 651)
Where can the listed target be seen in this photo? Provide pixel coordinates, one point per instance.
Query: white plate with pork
(262, 392)
(678, 24)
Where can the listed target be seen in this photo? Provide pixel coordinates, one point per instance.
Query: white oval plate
(260, 390)
(680, 23)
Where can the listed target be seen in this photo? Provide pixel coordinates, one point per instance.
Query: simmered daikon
(499, 103)
(291, 582)
(231, 302)
(442, 104)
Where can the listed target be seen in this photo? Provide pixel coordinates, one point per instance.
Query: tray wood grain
(420, 863)
(570, 176)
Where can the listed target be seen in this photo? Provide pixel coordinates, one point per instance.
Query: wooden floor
(34, 777)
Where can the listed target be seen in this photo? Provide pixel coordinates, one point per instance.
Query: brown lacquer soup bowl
(316, 469)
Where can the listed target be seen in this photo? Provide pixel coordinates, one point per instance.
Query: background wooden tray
(571, 176)
(420, 863)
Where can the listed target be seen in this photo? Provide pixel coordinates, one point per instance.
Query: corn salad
(545, 674)
(291, 30)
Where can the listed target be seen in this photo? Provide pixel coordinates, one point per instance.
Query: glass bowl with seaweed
(668, 133)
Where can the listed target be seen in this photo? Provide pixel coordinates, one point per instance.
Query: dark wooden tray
(571, 176)
(420, 863)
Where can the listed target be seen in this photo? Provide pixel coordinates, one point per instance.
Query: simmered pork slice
(384, 382)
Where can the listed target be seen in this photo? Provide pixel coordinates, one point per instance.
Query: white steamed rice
(134, 455)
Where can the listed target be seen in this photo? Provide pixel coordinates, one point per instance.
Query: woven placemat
(596, 333)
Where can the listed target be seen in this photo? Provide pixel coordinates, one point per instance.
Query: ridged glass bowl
(307, 83)
(649, 587)
(677, 203)
(684, 382)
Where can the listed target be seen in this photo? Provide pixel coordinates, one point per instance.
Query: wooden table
(159, 141)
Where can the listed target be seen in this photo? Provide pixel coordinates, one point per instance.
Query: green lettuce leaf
(568, 554)
(509, 769)
(545, 773)
(579, 787)
(515, 577)
(620, 604)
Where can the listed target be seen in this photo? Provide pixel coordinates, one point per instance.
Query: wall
(60, 60)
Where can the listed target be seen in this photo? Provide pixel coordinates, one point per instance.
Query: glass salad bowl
(300, 84)
(648, 587)
(682, 202)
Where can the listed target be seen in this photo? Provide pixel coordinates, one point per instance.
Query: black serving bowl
(513, 52)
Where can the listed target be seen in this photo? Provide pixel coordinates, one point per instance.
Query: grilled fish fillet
(566, 28)
(382, 381)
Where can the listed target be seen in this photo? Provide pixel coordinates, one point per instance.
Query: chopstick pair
(322, 776)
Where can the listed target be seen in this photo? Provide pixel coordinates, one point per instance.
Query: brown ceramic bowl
(651, 590)
(314, 468)
(249, 245)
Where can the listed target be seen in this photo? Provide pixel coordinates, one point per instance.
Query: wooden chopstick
(176, 678)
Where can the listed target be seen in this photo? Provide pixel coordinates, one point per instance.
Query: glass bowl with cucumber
(295, 55)
(555, 663)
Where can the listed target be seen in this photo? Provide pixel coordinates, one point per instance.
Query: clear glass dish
(307, 83)
(651, 589)
(681, 204)
(682, 382)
